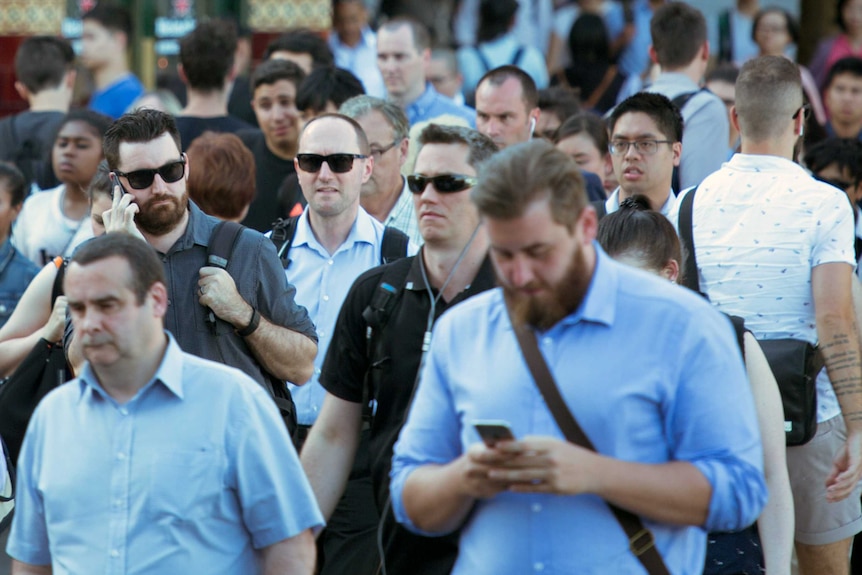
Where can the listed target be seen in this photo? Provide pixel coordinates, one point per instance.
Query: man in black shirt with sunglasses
(383, 367)
(255, 324)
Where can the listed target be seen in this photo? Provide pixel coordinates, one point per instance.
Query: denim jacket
(16, 272)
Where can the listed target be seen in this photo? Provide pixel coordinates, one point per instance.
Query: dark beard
(158, 221)
(565, 297)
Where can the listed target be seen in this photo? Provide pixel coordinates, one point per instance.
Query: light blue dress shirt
(322, 281)
(499, 52)
(360, 60)
(189, 476)
(432, 104)
(651, 372)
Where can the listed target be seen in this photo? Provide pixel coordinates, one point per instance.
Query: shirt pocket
(186, 484)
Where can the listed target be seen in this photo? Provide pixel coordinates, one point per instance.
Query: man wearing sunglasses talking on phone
(244, 316)
(399, 303)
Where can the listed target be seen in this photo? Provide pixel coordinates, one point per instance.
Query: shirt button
(115, 553)
(124, 411)
(118, 503)
(326, 298)
(317, 371)
(536, 507)
(547, 341)
(539, 566)
(330, 262)
(320, 334)
(121, 455)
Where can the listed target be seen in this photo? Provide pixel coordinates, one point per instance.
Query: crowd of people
(246, 268)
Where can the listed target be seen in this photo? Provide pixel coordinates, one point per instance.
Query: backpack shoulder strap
(283, 232)
(739, 328)
(393, 245)
(519, 53)
(682, 99)
(686, 207)
(222, 242)
(57, 287)
(485, 63)
(383, 302)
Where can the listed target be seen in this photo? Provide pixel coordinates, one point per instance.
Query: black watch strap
(252, 324)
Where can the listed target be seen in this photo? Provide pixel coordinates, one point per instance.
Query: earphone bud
(532, 126)
(801, 129)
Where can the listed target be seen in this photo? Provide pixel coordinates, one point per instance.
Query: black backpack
(393, 247)
(221, 245)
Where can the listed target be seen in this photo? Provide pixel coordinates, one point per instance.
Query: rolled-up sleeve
(431, 435)
(713, 422)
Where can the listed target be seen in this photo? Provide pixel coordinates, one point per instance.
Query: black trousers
(348, 545)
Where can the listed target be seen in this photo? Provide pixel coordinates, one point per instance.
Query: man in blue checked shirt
(651, 372)
(154, 461)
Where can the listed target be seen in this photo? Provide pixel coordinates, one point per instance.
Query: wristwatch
(252, 324)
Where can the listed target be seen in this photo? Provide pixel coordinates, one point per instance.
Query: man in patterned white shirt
(775, 246)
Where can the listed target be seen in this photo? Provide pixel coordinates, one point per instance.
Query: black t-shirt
(26, 140)
(191, 127)
(271, 172)
(343, 375)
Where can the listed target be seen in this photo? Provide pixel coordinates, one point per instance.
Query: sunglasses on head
(444, 183)
(142, 179)
(338, 163)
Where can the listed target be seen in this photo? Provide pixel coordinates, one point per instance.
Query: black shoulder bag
(42, 370)
(795, 363)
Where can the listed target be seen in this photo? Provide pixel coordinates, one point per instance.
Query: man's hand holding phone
(121, 216)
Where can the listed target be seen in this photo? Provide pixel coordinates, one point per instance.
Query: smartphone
(115, 181)
(493, 430)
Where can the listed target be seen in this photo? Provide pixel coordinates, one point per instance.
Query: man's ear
(22, 91)
(653, 55)
(670, 270)
(403, 150)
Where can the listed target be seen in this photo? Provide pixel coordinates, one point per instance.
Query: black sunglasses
(142, 179)
(338, 163)
(444, 183)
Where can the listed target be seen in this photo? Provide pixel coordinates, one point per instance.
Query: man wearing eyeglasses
(255, 324)
(383, 366)
(385, 195)
(775, 246)
(335, 241)
(646, 134)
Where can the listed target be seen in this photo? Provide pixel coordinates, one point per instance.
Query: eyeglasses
(645, 147)
(143, 179)
(338, 163)
(444, 183)
(377, 152)
(804, 109)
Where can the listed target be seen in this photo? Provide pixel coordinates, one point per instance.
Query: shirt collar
(612, 204)
(198, 230)
(403, 205)
(362, 231)
(425, 101)
(672, 81)
(600, 302)
(169, 374)
(762, 163)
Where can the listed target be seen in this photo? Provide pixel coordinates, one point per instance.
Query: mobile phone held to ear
(493, 430)
(115, 181)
